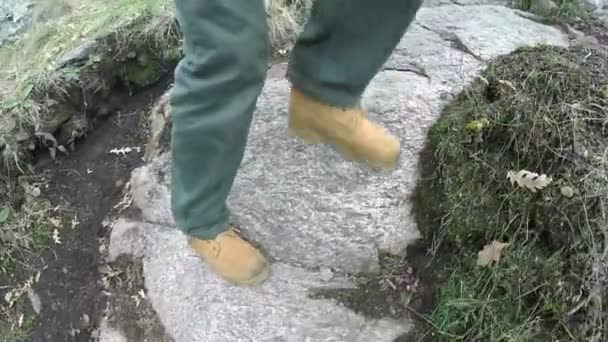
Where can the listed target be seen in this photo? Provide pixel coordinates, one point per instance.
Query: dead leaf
(530, 180)
(56, 237)
(507, 84)
(491, 253)
(55, 222)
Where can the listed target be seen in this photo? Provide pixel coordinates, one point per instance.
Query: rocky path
(318, 217)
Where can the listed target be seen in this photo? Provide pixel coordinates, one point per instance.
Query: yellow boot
(233, 258)
(348, 129)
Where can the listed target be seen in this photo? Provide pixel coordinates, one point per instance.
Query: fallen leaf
(124, 150)
(55, 222)
(507, 84)
(8, 296)
(75, 221)
(35, 301)
(137, 300)
(491, 253)
(121, 151)
(530, 180)
(56, 237)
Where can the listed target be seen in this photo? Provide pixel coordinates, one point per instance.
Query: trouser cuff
(329, 95)
(207, 233)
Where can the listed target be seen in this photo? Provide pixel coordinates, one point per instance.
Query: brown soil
(87, 184)
(594, 28)
(129, 311)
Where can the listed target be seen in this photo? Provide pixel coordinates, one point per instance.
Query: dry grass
(30, 65)
(285, 19)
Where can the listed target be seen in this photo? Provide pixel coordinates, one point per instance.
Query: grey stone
(77, 54)
(602, 14)
(489, 31)
(596, 4)
(317, 216)
(194, 305)
(13, 15)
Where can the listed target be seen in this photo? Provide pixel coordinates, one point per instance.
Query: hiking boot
(348, 129)
(233, 258)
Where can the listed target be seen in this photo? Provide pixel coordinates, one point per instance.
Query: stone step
(195, 305)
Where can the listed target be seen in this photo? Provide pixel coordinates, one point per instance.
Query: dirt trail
(87, 184)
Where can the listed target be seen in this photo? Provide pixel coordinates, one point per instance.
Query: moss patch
(569, 11)
(542, 110)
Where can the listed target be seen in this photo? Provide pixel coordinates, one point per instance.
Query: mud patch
(404, 287)
(86, 185)
(129, 310)
(595, 28)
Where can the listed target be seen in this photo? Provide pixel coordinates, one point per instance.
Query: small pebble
(326, 274)
(567, 191)
(35, 300)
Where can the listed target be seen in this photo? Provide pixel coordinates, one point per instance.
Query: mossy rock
(144, 71)
(59, 116)
(551, 122)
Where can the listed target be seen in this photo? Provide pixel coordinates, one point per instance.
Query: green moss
(569, 11)
(465, 200)
(173, 55)
(144, 72)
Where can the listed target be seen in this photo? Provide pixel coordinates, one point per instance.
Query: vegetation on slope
(542, 110)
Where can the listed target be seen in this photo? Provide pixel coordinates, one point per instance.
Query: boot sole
(257, 279)
(309, 136)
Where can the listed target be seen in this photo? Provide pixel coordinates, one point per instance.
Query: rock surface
(13, 14)
(308, 208)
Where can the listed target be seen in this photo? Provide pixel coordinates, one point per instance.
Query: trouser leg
(215, 92)
(343, 45)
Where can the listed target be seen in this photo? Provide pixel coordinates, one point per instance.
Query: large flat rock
(194, 305)
(317, 216)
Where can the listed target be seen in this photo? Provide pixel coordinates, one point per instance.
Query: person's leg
(342, 47)
(216, 88)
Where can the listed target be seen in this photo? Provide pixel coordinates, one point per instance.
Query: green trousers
(226, 53)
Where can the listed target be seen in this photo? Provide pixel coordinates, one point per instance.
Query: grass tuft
(539, 109)
(35, 82)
